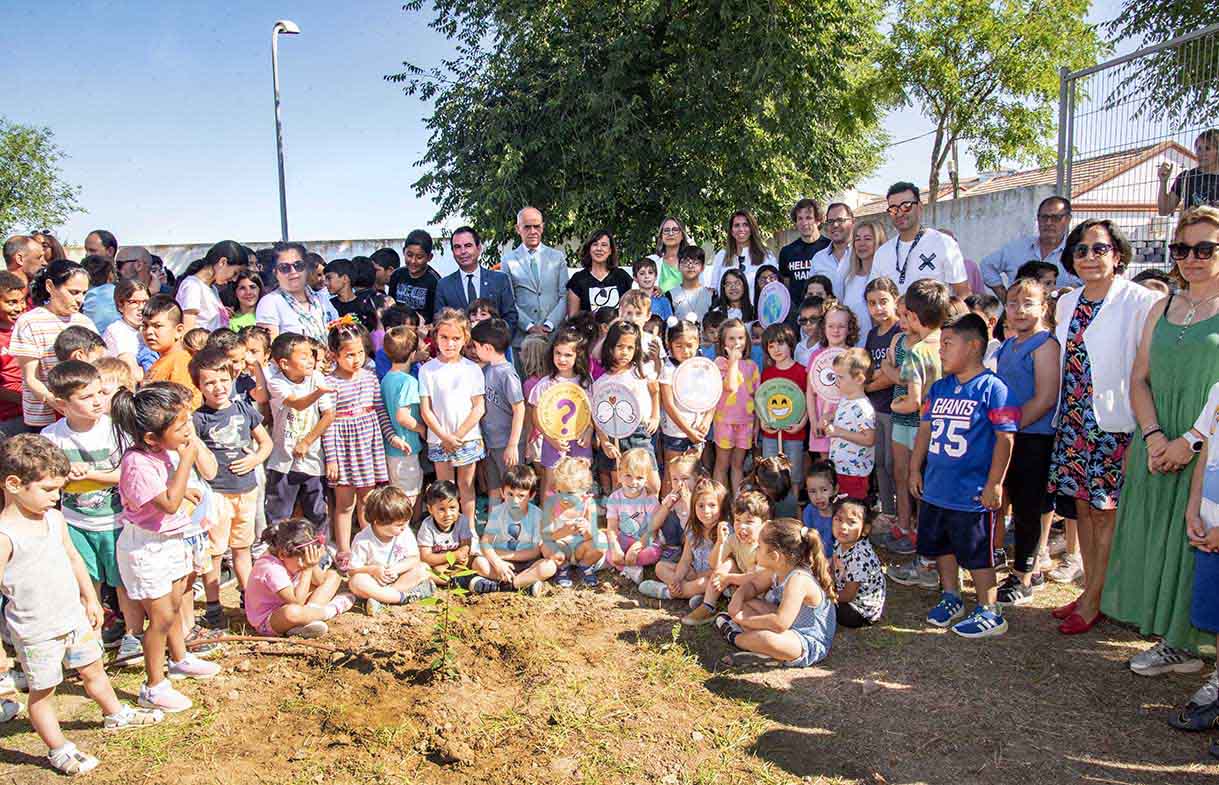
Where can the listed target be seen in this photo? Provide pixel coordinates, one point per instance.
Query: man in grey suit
(539, 278)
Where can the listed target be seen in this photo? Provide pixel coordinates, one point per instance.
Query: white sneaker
(634, 573)
(14, 681)
(1045, 562)
(314, 629)
(1208, 693)
(1163, 658)
(655, 589)
(9, 709)
(1071, 569)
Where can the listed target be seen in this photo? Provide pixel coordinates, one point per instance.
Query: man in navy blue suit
(472, 281)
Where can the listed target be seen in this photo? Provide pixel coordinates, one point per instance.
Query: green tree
(1180, 81)
(616, 114)
(986, 73)
(32, 191)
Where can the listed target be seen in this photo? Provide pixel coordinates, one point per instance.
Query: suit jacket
(492, 285)
(539, 298)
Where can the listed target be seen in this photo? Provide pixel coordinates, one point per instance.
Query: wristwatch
(1194, 441)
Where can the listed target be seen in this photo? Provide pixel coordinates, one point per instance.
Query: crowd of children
(350, 471)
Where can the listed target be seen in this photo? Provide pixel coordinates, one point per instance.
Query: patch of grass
(154, 746)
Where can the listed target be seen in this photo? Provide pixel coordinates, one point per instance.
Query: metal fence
(1120, 121)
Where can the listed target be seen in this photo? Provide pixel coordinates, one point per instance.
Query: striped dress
(356, 439)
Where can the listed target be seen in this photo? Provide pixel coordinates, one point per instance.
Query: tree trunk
(933, 179)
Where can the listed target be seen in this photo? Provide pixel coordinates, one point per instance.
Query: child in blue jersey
(1027, 363)
(960, 457)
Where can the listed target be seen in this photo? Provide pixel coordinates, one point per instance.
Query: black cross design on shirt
(928, 261)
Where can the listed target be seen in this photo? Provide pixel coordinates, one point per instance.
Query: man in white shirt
(1053, 224)
(539, 278)
(832, 260)
(917, 252)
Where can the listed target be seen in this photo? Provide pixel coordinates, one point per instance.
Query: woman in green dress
(1151, 569)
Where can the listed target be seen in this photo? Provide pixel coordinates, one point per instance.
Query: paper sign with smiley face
(779, 403)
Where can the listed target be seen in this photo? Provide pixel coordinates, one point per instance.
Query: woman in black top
(601, 283)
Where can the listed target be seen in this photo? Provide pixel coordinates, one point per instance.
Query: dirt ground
(603, 686)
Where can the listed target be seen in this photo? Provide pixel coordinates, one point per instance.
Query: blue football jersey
(964, 419)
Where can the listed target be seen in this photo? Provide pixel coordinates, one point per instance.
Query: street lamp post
(288, 28)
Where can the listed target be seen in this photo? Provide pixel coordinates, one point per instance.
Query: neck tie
(471, 295)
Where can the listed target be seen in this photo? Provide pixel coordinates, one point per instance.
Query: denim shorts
(468, 453)
(675, 443)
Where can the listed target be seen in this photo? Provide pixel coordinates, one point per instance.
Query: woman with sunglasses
(669, 241)
(1152, 567)
(1098, 329)
(294, 307)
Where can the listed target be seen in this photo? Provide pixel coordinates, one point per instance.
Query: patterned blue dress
(1086, 462)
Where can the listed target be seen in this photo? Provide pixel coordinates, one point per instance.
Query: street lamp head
(286, 27)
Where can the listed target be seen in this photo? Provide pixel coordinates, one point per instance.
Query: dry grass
(605, 687)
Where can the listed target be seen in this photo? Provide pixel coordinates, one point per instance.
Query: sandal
(1196, 718)
(72, 761)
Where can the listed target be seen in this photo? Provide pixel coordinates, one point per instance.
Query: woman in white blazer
(1098, 328)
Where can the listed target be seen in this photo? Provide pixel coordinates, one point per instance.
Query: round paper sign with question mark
(564, 412)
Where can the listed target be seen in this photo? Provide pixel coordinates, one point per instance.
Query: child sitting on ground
(737, 556)
(965, 442)
(628, 516)
(785, 611)
(288, 593)
(858, 578)
(445, 536)
(385, 565)
(509, 552)
(50, 608)
(571, 523)
(689, 576)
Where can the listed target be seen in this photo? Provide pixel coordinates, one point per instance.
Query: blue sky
(164, 110)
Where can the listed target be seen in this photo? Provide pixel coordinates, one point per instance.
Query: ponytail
(804, 547)
(56, 274)
(151, 410)
(288, 535)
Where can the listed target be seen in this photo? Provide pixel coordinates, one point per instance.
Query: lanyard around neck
(904, 264)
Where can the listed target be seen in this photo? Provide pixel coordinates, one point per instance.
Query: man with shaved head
(539, 278)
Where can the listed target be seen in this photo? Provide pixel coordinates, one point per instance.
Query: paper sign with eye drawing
(563, 412)
(779, 404)
(615, 410)
(821, 373)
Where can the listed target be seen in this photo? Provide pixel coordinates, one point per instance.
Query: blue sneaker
(903, 545)
(562, 578)
(986, 621)
(947, 610)
(587, 575)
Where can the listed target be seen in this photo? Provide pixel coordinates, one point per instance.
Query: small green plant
(443, 663)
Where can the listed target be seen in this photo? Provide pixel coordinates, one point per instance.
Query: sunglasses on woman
(287, 267)
(1098, 249)
(1181, 251)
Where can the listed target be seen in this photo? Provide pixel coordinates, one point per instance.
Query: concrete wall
(981, 223)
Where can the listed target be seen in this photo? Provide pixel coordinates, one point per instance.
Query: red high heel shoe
(1075, 624)
(1063, 611)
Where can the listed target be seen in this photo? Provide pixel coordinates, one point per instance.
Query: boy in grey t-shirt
(504, 417)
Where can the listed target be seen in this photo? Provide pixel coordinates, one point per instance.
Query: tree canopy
(33, 194)
(986, 73)
(617, 114)
(1180, 81)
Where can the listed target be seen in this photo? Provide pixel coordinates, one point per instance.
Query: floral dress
(1086, 462)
